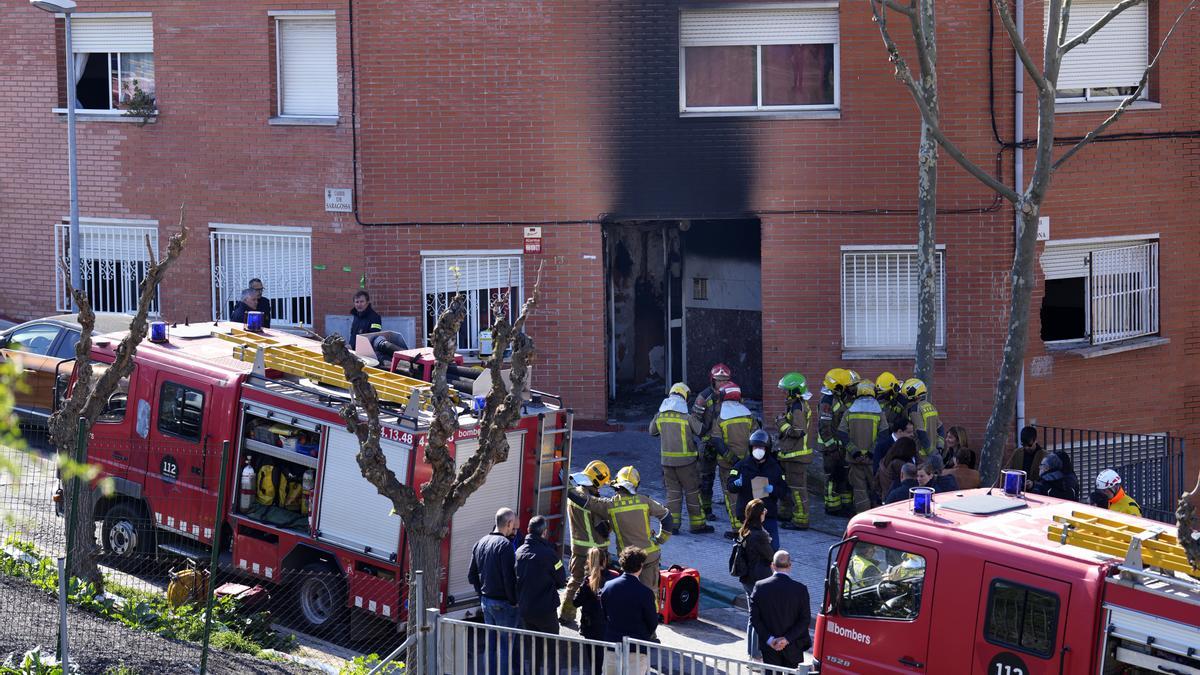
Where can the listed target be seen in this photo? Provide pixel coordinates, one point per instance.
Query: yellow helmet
(681, 389)
(598, 472)
(887, 383)
(865, 387)
(838, 380)
(628, 478)
(854, 376)
(914, 389)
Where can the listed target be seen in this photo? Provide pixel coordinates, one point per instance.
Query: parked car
(40, 346)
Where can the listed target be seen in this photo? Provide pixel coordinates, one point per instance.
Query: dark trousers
(773, 658)
(541, 655)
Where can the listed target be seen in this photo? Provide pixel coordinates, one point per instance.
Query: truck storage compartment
(283, 459)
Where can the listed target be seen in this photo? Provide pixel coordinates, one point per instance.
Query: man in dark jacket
(493, 574)
(264, 304)
(540, 575)
(760, 462)
(629, 607)
(908, 479)
(1052, 480)
(900, 427)
(931, 474)
(364, 318)
(779, 614)
(248, 303)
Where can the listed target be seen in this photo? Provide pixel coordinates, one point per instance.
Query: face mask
(759, 453)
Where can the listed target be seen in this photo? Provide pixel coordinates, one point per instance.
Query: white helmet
(1107, 479)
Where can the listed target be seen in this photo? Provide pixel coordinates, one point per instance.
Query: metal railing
(639, 657)
(1151, 465)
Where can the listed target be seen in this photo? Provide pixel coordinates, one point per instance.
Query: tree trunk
(927, 288)
(996, 437)
(425, 555)
(83, 560)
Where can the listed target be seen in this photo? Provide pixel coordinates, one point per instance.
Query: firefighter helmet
(838, 380)
(1108, 479)
(730, 392)
(914, 389)
(886, 384)
(795, 385)
(598, 472)
(681, 389)
(720, 372)
(865, 388)
(854, 376)
(628, 478)
(760, 439)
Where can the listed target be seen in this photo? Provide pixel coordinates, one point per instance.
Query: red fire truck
(274, 400)
(1008, 585)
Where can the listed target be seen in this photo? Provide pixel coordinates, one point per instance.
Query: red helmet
(730, 392)
(720, 371)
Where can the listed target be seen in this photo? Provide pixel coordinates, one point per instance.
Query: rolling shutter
(308, 67)
(1116, 56)
(477, 516)
(1068, 260)
(353, 514)
(879, 300)
(712, 27)
(129, 35)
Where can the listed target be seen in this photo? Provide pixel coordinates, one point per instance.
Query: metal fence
(1151, 465)
(141, 623)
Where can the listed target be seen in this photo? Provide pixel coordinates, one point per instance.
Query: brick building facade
(477, 120)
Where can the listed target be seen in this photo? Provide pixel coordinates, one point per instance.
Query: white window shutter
(1116, 56)
(714, 27)
(308, 67)
(879, 300)
(1069, 259)
(129, 35)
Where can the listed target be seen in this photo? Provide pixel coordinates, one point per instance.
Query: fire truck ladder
(554, 461)
(267, 352)
(1140, 547)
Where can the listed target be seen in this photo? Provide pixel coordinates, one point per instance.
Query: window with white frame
(1110, 64)
(879, 299)
(1100, 291)
(483, 276)
(306, 62)
(114, 59)
(756, 59)
(280, 257)
(113, 261)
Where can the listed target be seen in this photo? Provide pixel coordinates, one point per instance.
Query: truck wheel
(126, 531)
(320, 596)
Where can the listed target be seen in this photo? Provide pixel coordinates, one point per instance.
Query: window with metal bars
(879, 300)
(282, 261)
(113, 261)
(483, 278)
(1124, 292)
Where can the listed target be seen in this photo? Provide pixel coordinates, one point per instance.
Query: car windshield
(34, 339)
(66, 347)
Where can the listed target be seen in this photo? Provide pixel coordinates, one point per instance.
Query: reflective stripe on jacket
(861, 424)
(1123, 503)
(793, 431)
(676, 429)
(583, 529)
(928, 425)
(829, 419)
(630, 518)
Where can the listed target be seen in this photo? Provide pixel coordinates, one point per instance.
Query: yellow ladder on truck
(1139, 546)
(302, 362)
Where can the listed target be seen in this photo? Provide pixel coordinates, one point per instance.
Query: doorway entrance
(681, 296)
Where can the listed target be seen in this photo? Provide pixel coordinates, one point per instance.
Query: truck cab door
(879, 619)
(178, 484)
(1021, 624)
(113, 443)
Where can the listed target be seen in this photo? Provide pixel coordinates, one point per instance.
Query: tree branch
(1014, 36)
(1128, 100)
(907, 10)
(1088, 32)
(904, 75)
(445, 413)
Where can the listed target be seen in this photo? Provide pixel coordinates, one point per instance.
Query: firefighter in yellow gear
(887, 392)
(836, 388)
(676, 430)
(1109, 482)
(794, 452)
(734, 425)
(630, 515)
(587, 531)
(927, 424)
(863, 570)
(705, 410)
(861, 424)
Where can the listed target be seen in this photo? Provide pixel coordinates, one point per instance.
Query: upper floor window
(306, 60)
(114, 59)
(751, 60)
(879, 299)
(1110, 64)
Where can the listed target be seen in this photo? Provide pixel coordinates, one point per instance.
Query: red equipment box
(679, 593)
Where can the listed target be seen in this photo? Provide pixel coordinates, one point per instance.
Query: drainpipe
(1019, 172)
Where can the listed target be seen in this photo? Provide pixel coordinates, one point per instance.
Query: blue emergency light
(478, 403)
(922, 501)
(158, 332)
(254, 322)
(1014, 482)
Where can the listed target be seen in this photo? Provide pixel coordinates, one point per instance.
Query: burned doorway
(681, 296)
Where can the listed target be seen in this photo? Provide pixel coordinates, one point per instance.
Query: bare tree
(427, 509)
(1028, 201)
(89, 396)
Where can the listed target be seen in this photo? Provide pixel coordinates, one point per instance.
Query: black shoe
(789, 525)
(675, 531)
(730, 534)
(704, 529)
(710, 516)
